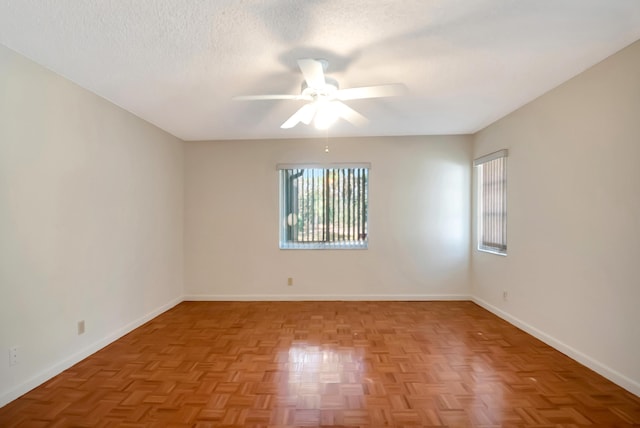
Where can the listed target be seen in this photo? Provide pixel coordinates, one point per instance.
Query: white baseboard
(60, 366)
(321, 297)
(602, 369)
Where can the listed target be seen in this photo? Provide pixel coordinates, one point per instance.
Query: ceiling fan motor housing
(327, 90)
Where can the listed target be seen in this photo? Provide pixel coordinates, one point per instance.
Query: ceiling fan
(325, 98)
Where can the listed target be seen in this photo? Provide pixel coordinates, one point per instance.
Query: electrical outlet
(80, 327)
(13, 355)
(289, 281)
(505, 295)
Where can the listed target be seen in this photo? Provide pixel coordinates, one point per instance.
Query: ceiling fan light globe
(325, 117)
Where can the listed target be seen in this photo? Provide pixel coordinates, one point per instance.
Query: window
(492, 202)
(324, 207)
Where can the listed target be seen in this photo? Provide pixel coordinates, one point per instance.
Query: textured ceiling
(178, 63)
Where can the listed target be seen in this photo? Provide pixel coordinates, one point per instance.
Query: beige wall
(418, 221)
(90, 222)
(572, 273)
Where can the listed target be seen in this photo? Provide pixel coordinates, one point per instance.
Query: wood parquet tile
(303, 364)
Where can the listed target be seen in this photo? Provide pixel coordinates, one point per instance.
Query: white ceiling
(178, 63)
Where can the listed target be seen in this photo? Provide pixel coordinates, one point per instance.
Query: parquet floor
(290, 364)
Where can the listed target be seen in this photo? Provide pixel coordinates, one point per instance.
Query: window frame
(499, 199)
(284, 244)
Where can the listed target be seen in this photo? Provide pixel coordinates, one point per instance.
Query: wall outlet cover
(14, 354)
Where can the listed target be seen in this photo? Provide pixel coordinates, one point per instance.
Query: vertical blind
(492, 202)
(324, 207)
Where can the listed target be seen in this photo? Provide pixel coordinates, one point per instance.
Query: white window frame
(492, 237)
(359, 239)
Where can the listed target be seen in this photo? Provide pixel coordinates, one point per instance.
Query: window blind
(324, 207)
(492, 202)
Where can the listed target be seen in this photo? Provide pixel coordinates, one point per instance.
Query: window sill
(492, 251)
(358, 245)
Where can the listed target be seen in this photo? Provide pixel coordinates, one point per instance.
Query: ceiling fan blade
(270, 97)
(304, 114)
(308, 113)
(313, 72)
(378, 91)
(348, 114)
